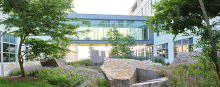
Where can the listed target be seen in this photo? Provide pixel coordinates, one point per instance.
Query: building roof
(107, 17)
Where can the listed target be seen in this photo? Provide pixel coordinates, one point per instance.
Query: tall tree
(179, 16)
(40, 18)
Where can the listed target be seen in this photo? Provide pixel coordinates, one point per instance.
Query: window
(161, 33)
(183, 46)
(9, 48)
(149, 51)
(162, 50)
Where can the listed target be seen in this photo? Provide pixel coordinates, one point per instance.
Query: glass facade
(99, 29)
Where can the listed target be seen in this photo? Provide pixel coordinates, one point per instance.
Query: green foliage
(199, 74)
(158, 60)
(119, 43)
(178, 16)
(7, 83)
(85, 62)
(154, 59)
(67, 76)
(41, 18)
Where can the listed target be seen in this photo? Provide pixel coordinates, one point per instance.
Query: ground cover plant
(201, 73)
(8, 83)
(67, 76)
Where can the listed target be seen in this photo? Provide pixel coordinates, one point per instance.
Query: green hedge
(154, 59)
(85, 62)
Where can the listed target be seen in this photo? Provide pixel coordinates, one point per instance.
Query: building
(164, 45)
(131, 25)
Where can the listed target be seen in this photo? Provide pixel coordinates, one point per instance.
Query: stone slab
(159, 82)
(53, 62)
(124, 71)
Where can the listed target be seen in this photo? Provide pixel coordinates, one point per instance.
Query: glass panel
(92, 34)
(186, 48)
(177, 43)
(159, 47)
(100, 33)
(163, 45)
(185, 42)
(5, 47)
(178, 49)
(166, 56)
(190, 40)
(0, 57)
(12, 39)
(12, 49)
(12, 57)
(6, 38)
(5, 57)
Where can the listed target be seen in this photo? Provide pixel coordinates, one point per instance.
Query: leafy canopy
(178, 16)
(41, 18)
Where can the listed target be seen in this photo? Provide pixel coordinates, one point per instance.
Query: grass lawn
(10, 83)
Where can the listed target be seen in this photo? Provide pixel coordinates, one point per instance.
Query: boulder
(185, 57)
(125, 72)
(149, 62)
(159, 82)
(53, 62)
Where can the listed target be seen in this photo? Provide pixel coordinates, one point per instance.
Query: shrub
(154, 59)
(158, 60)
(85, 62)
(67, 76)
(199, 74)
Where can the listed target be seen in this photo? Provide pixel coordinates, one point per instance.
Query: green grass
(8, 83)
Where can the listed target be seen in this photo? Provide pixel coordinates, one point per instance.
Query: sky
(118, 7)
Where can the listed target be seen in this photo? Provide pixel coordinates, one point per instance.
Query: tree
(179, 16)
(40, 18)
(119, 43)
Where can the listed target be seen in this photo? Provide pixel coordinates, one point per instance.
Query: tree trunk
(215, 59)
(21, 61)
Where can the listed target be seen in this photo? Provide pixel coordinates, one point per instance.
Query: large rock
(53, 62)
(159, 82)
(185, 57)
(125, 72)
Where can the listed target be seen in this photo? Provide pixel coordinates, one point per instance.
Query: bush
(68, 76)
(7, 83)
(85, 62)
(158, 60)
(154, 59)
(199, 74)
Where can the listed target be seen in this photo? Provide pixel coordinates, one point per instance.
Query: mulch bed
(20, 79)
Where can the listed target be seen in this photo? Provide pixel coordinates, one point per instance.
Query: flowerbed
(67, 76)
(198, 74)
